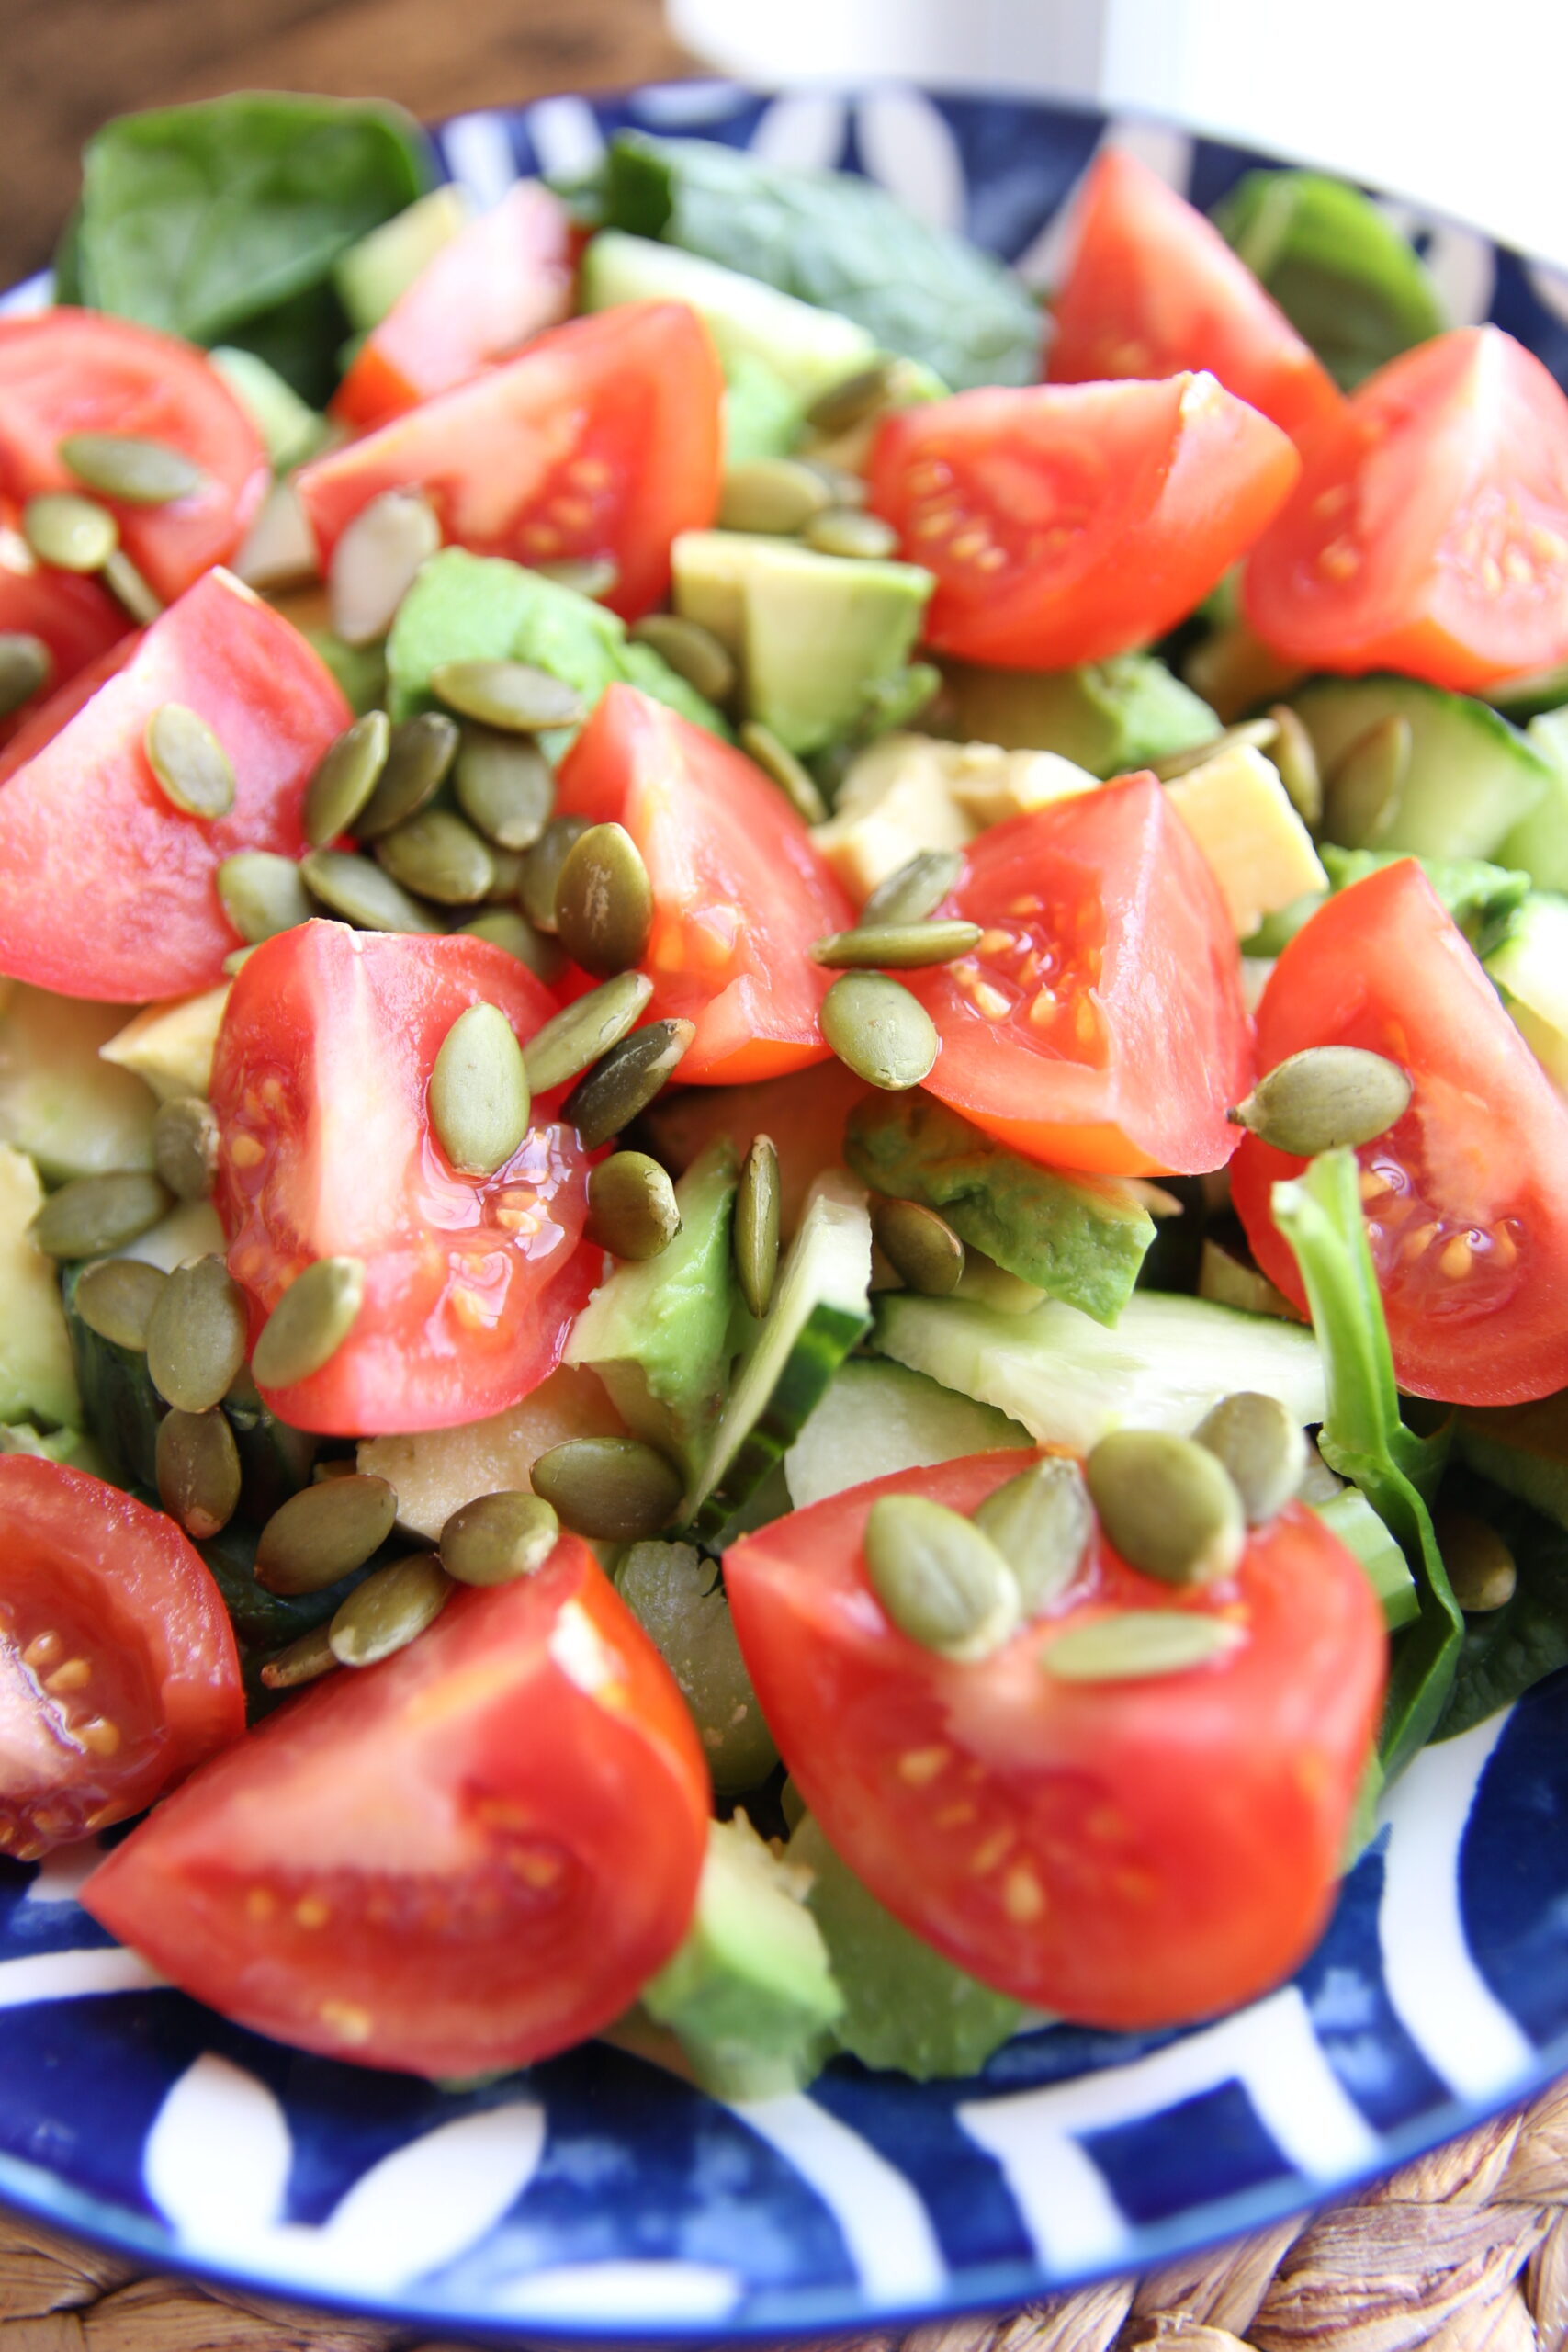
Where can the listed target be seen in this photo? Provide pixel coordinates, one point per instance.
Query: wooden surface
(67, 65)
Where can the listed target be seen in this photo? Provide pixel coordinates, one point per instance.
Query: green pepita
(123, 580)
(507, 929)
(479, 1092)
(185, 1146)
(198, 1465)
(1255, 734)
(116, 1298)
(774, 495)
(603, 905)
(507, 870)
(262, 894)
(513, 696)
(93, 1214)
(921, 1248)
(898, 946)
(439, 857)
(303, 1661)
(623, 1085)
(778, 762)
(420, 752)
(504, 785)
(310, 1323)
(939, 1577)
(850, 532)
(27, 665)
(541, 869)
(389, 1609)
(137, 471)
(189, 762)
(879, 1030)
(1324, 1096)
(196, 1341)
(1168, 1505)
(374, 563)
(1138, 1642)
(1482, 1569)
(235, 961)
(1261, 1445)
(915, 891)
(615, 1489)
(631, 1206)
(586, 575)
(853, 399)
(1362, 794)
(691, 652)
(69, 533)
(324, 1532)
(577, 1037)
(754, 1236)
(1040, 1524)
(498, 1538)
(345, 779)
(1294, 754)
(361, 893)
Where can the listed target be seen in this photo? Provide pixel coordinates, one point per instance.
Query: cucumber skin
(823, 1341)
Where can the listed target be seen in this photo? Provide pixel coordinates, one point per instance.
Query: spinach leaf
(1509, 1648)
(831, 239)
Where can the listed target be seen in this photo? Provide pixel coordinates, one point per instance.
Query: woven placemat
(1464, 2251)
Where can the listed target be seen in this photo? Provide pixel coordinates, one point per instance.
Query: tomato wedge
(1152, 288)
(739, 889)
(117, 1666)
(459, 1861)
(325, 1149)
(67, 371)
(503, 278)
(1464, 1203)
(1126, 1853)
(87, 833)
(74, 618)
(604, 438)
(1067, 522)
(1429, 533)
(1099, 1022)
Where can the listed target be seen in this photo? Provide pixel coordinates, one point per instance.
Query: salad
(780, 1116)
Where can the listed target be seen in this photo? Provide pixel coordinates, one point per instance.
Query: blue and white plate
(596, 2195)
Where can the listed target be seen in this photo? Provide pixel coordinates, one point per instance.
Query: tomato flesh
(1463, 1196)
(458, 1861)
(1429, 533)
(326, 1149)
(740, 888)
(603, 439)
(1153, 288)
(117, 1666)
(76, 619)
(1068, 521)
(1127, 1854)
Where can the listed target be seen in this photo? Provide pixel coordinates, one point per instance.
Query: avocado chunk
(877, 1417)
(37, 1383)
(1109, 716)
(1472, 780)
(69, 1110)
(1531, 969)
(1077, 1238)
(673, 1592)
(761, 415)
(377, 271)
(290, 429)
(171, 1045)
(749, 1994)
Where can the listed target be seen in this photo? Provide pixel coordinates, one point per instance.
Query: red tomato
(1067, 522)
(86, 829)
(74, 618)
(1100, 1022)
(1153, 288)
(604, 438)
(1464, 1202)
(325, 1149)
(503, 278)
(1128, 1853)
(1429, 533)
(739, 889)
(69, 371)
(464, 1858)
(117, 1666)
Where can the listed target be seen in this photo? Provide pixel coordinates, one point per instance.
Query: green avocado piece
(37, 1383)
(374, 274)
(761, 415)
(1072, 1237)
(877, 1417)
(1539, 842)
(1531, 969)
(1486, 900)
(71, 1112)
(290, 429)
(1109, 716)
(674, 1592)
(1474, 781)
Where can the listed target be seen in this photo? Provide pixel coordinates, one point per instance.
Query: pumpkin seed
(1482, 1569)
(754, 1236)
(541, 869)
(1040, 1524)
(137, 471)
(440, 858)
(853, 399)
(479, 1092)
(27, 666)
(345, 778)
(1168, 1505)
(604, 901)
(1261, 1445)
(921, 1248)
(941, 1579)
(262, 894)
(338, 1466)
(691, 652)
(1361, 793)
(507, 871)
(507, 929)
(69, 533)
(610, 1096)
(1255, 734)
(325, 1531)
(513, 696)
(374, 563)
(1296, 759)
(185, 1146)
(310, 1323)
(574, 1039)
(116, 1298)
(1324, 1096)
(123, 580)
(793, 779)
(614, 1489)
(196, 1341)
(915, 891)
(93, 1214)
(498, 1538)
(1137, 1643)
(420, 752)
(197, 1464)
(389, 1609)
(631, 1206)
(236, 960)
(305, 1660)
(504, 785)
(850, 532)
(586, 575)
(189, 762)
(775, 495)
(879, 1030)
(361, 893)
(901, 947)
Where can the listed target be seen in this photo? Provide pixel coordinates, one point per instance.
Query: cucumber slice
(373, 274)
(1541, 844)
(37, 1382)
(1350, 1516)
(1070, 1381)
(1472, 777)
(1531, 969)
(879, 1417)
(820, 1310)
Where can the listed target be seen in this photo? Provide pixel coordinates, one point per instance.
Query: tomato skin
(603, 438)
(1152, 288)
(504, 276)
(740, 888)
(1477, 1158)
(88, 1575)
(1429, 533)
(1125, 1854)
(495, 1838)
(69, 371)
(73, 616)
(1069, 521)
